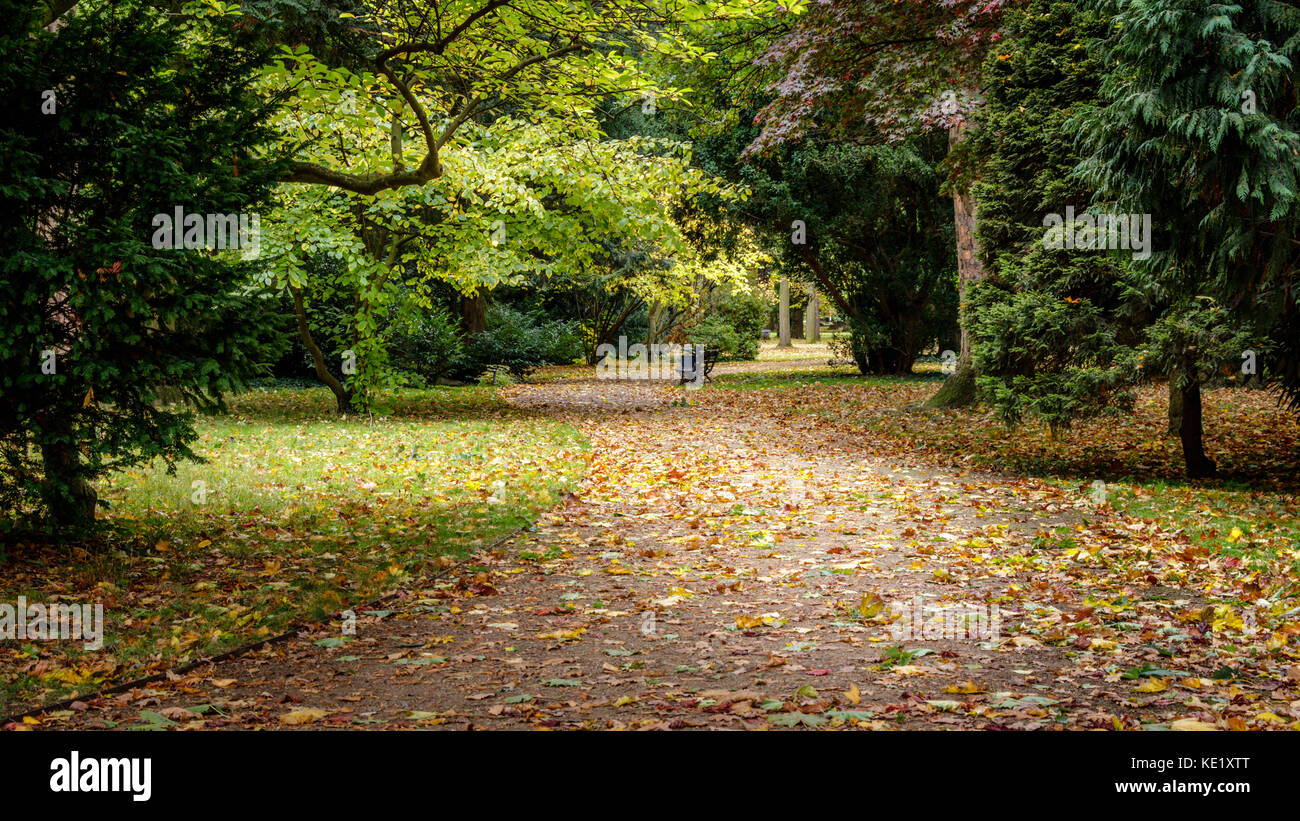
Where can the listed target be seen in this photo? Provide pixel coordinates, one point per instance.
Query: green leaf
(795, 719)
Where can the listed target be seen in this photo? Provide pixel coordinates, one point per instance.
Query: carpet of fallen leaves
(303, 514)
(741, 557)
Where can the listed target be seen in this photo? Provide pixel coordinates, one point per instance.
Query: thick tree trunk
(1175, 406)
(812, 316)
(959, 389)
(1190, 429)
(473, 315)
(654, 318)
(342, 397)
(68, 497)
(783, 318)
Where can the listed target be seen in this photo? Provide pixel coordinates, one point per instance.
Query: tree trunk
(1175, 406)
(68, 497)
(473, 315)
(654, 316)
(1190, 429)
(783, 318)
(959, 389)
(606, 336)
(811, 316)
(342, 397)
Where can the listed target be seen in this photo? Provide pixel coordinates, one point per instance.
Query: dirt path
(723, 566)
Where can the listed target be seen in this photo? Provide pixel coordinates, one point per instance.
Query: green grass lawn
(295, 514)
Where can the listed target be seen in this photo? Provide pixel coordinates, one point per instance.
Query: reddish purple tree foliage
(885, 67)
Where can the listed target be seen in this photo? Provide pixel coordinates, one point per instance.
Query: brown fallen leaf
(722, 696)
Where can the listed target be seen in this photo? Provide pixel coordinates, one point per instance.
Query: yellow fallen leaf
(1192, 725)
(883, 726)
(563, 635)
(306, 715)
(1152, 685)
(909, 670)
(425, 715)
(853, 694)
(967, 687)
(870, 606)
(1235, 534)
(623, 701)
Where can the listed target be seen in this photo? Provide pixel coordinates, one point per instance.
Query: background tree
(421, 159)
(878, 241)
(521, 203)
(876, 69)
(865, 224)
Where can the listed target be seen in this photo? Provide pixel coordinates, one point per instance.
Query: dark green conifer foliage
(1052, 330)
(1197, 125)
(150, 112)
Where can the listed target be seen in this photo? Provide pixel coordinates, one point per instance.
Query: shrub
(520, 342)
(429, 347)
(747, 313)
(716, 334)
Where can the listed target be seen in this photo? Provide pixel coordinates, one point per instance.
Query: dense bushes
(716, 334)
(734, 326)
(747, 314)
(430, 347)
(519, 342)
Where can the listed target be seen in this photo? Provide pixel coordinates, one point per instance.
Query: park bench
(689, 366)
